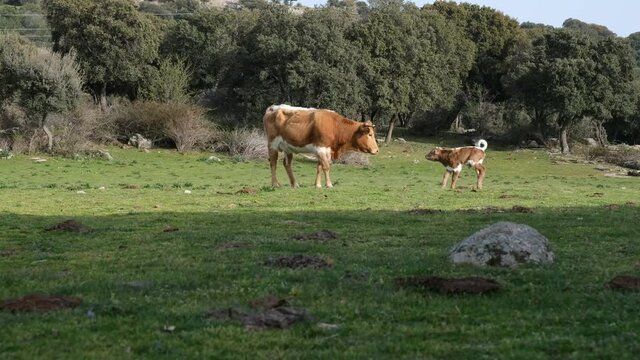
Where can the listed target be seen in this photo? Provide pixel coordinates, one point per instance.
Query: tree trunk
(392, 124)
(564, 144)
(103, 97)
(457, 123)
(48, 132)
(601, 132)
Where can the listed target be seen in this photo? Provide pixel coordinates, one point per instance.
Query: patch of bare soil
(247, 190)
(273, 313)
(297, 261)
(467, 285)
(418, 211)
(41, 303)
(129, 186)
(232, 245)
(169, 228)
(625, 282)
(268, 302)
(596, 194)
(293, 222)
(322, 235)
(494, 210)
(71, 226)
(507, 196)
(522, 209)
(7, 253)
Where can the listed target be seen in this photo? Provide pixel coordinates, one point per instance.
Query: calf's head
(435, 154)
(365, 138)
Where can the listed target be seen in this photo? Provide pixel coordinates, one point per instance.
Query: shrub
(183, 124)
(248, 144)
(353, 158)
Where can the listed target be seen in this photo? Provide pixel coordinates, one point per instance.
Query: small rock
(102, 188)
(187, 191)
(81, 192)
(213, 159)
(169, 328)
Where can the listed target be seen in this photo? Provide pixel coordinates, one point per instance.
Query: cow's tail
(482, 144)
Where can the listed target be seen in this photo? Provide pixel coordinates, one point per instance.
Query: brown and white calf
(324, 133)
(454, 158)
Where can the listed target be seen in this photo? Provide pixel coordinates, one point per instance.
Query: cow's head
(435, 154)
(365, 138)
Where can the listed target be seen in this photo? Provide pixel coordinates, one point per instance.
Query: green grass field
(562, 311)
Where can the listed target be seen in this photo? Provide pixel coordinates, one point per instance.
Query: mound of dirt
(419, 211)
(625, 282)
(297, 261)
(232, 245)
(273, 314)
(467, 285)
(268, 302)
(71, 226)
(6, 253)
(41, 303)
(169, 228)
(247, 190)
(522, 209)
(322, 235)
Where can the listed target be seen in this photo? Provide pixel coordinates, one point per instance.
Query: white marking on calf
(455, 169)
(279, 144)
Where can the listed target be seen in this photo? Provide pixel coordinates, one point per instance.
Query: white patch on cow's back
(455, 169)
(278, 143)
(287, 108)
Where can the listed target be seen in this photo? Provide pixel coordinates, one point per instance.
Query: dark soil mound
(322, 235)
(231, 245)
(268, 302)
(275, 318)
(247, 190)
(297, 261)
(468, 285)
(625, 282)
(42, 303)
(424, 211)
(71, 226)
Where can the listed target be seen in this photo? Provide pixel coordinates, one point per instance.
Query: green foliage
(594, 32)
(113, 41)
(167, 83)
(37, 80)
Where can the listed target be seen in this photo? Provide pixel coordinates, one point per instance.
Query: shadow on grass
(136, 279)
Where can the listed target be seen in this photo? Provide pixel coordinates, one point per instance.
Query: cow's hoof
(295, 186)
(329, 186)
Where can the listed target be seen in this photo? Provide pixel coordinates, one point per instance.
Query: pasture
(145, 291)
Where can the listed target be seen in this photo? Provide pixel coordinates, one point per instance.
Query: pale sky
(620, 16)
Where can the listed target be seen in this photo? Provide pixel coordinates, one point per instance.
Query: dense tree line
(388, 61)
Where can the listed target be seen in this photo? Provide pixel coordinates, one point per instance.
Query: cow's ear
(368, 123)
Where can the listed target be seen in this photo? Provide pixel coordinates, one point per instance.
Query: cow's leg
(273, 161)
(287, 161)
(454, 179)
(318, 172)
(326, 167)
(481, 172)
(445, 178)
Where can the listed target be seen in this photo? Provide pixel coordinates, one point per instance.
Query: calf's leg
(454, 179)
(445, 178)
(481, 171)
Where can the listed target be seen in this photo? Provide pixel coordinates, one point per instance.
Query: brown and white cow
(324, 133)
(454, 158)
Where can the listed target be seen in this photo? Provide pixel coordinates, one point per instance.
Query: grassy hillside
(135, 279)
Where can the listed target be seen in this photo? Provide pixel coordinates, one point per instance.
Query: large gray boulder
(503, 244)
